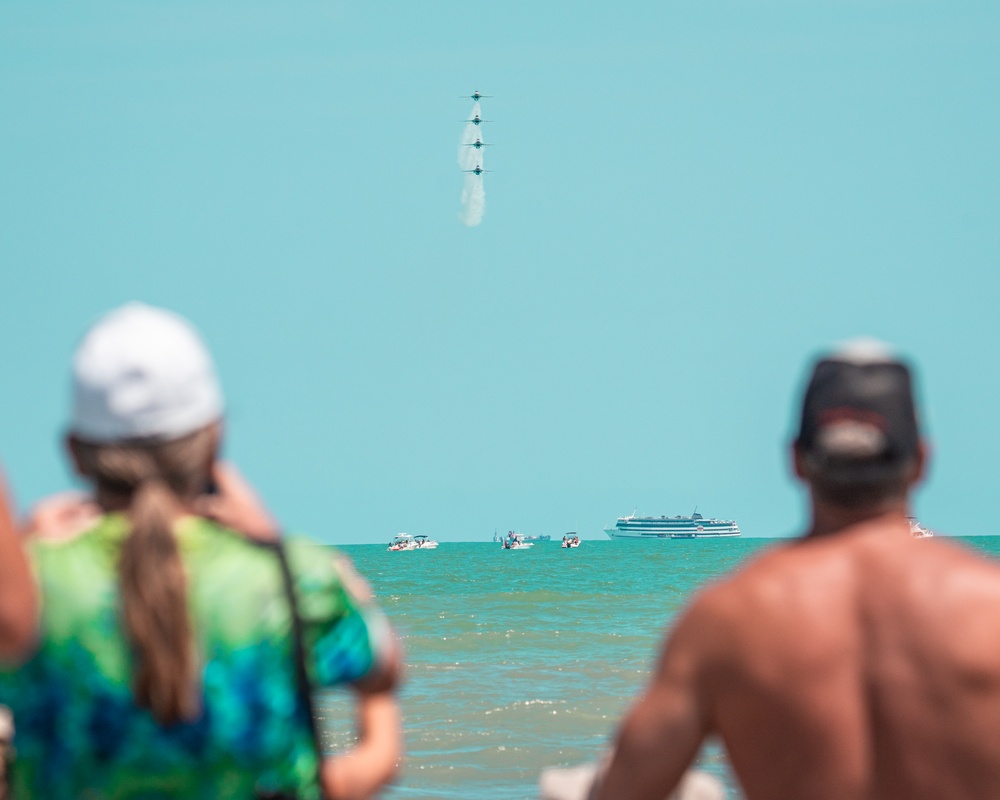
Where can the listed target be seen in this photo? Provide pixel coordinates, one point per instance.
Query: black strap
(299, 654)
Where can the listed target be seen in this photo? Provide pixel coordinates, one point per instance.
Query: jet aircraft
(477, 97)
(478, 144)
(477, 120)
(477, 171)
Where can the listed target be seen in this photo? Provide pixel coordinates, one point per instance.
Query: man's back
(864, 664)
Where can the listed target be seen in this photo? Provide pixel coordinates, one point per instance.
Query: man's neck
(828, 518)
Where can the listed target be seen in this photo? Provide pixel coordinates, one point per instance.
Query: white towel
(573, 783)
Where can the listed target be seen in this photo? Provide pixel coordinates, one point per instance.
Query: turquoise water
(519, 660)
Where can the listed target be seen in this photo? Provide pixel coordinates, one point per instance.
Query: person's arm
(662, 733)
(18, 595)
(373, 762)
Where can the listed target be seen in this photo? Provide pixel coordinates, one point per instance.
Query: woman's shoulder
(325, 579)
(92, 548)
(317, 570)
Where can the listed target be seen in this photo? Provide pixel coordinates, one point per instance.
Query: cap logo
(851, 433)
(851, 414)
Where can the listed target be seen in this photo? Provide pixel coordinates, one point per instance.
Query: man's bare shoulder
(763, 598)
(784, 571)
(802, 578)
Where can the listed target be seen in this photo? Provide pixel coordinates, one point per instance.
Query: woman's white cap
(140, 373)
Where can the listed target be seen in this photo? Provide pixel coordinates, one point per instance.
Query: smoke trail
(473, 193)
(473, 201)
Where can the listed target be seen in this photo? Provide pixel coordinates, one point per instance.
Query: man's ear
(799, 463)
(75, 451)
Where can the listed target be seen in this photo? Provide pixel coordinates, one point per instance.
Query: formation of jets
(479, 144)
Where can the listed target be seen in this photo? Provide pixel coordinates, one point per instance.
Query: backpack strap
(299, 654)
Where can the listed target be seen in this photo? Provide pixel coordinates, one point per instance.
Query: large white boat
(694, 527)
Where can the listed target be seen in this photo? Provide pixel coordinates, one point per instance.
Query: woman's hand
(62, 516)
(235, 505)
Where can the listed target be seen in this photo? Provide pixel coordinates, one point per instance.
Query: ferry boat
(694, 527)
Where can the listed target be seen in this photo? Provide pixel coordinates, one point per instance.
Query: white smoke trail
(473, 192)
(473, 201)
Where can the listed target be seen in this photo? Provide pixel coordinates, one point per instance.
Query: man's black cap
(859, 423)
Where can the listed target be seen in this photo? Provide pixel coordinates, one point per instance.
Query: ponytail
(154, 608)
(153, 583)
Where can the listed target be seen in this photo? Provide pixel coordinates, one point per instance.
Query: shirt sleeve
(346, 635)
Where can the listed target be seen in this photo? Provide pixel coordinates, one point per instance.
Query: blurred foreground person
(852, 664)
(179, 637)
(18, 617)
(18, 602)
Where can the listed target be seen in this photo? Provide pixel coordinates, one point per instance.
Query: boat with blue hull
(694, 527)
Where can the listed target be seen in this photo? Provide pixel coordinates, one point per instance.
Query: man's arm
(18, 597)
(662, 733)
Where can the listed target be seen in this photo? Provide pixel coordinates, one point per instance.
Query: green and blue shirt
(80, 735)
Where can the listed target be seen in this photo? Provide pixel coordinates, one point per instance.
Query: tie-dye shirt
(78, 732)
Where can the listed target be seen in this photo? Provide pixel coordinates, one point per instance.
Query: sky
(690, 200)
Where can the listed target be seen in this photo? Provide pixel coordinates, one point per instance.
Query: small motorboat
(402, 541)
(515, 541)
(571, 540)
(424, 542)
(918, 531)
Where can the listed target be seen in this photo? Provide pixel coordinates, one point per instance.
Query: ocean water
(521, 660)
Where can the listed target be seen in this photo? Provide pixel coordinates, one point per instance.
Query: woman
(179, 638)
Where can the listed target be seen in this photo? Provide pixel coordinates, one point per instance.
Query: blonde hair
(153, 584)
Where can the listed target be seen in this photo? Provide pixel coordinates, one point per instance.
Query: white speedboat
(402, 541)
(424, 542)
(918, 531)
(515, 541)
(571, 540)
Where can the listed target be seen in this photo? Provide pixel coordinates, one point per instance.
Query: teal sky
(690, 200)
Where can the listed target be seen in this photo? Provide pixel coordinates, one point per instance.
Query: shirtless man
(854, 663)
